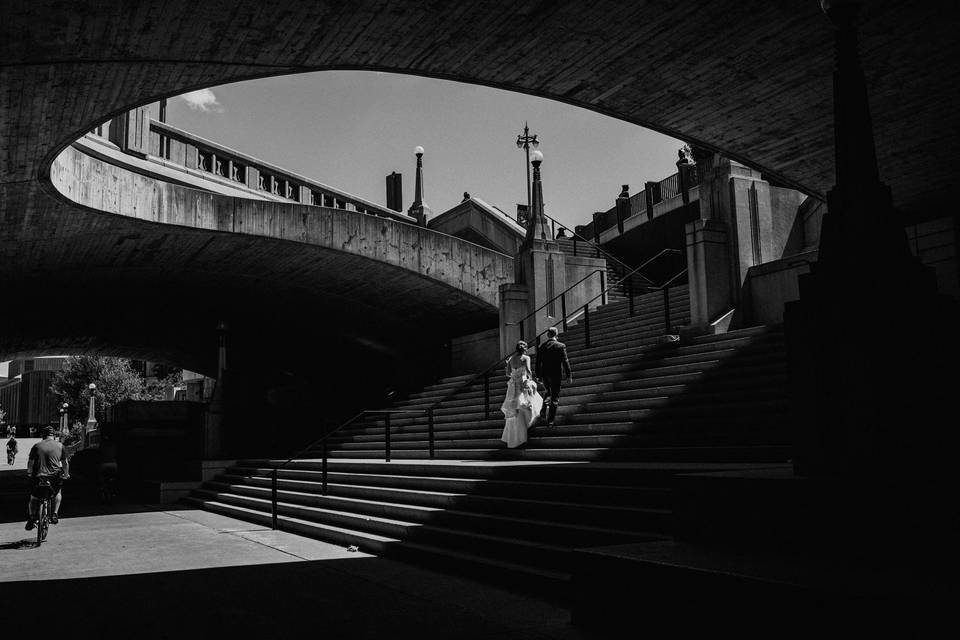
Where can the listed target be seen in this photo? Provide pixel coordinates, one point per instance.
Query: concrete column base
(514, 302)
(711, 285)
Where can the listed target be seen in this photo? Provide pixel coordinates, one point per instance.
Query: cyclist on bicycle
(49, 462)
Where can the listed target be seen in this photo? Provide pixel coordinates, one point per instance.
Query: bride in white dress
(522, 402)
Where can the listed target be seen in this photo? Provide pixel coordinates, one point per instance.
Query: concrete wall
(475, 352)
(470, 268)
(937, 242)
(467, 221)
(578, 267)
(787, 237)
(811, 212)
(771, 285)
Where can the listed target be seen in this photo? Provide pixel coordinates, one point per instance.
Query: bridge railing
(654, 193)
(240, 170)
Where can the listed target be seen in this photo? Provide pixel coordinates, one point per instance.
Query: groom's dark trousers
(552, 365)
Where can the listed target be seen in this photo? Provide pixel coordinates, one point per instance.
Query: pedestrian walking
(12, 449)
(552, 365)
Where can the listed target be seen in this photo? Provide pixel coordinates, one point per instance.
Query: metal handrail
(600, 251)
(485, 374)
(322, 440)
(560, 296)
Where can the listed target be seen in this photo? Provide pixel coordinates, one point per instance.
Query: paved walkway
(23, 446)
(185, 573)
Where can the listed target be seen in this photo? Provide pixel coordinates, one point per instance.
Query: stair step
(491, 568)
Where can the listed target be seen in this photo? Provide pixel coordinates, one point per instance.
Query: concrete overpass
(749, 78)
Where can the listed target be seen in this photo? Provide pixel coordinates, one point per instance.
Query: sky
(349, 129)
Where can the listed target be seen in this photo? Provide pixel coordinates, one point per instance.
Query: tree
(114, 378)
(161, 387)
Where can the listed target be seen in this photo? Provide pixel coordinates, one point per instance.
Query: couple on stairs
(522, 403)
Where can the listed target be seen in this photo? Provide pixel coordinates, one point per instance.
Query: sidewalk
(186, 573)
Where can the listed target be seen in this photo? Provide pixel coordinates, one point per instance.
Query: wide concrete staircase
(640, 410)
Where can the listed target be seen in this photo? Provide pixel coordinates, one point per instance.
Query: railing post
(323, 469)
(603, 286)
(666, 309)
(387, 443)
(586, 323)
(273, 498)
(630, 294)
(683, 169)
(574, 246)
(486, 395)
(430, 431)
(563, 308)
(648, 197)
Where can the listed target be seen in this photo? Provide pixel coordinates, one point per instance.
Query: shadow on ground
(361, 598)
(80, 498)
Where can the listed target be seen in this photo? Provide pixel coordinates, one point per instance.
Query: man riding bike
(49, 462)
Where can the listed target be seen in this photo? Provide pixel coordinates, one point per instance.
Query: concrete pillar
(683, 177)
(130, 131)
(541, 272)
(514, 305)
(419, 208)
(735, 210)
(872, 348)
(253, 178)
(708, 269)
(213, 444)
(622, 205)
(542, 269)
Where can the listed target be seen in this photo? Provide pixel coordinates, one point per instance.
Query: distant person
(552, 365)
(33, 432)
(522, 402)
(47, 461)
(12, 449)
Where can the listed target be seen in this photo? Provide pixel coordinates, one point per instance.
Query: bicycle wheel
(42, 523)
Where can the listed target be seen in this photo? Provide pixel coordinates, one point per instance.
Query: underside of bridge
(751, 79)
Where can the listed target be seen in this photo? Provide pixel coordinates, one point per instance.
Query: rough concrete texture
(461, 265)
(187, 573)
(750, 78)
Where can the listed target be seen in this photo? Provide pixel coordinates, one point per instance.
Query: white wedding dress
(520, 406)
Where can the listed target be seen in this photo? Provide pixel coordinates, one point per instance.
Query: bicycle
(43, 491)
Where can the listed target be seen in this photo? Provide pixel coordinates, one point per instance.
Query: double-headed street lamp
(525, 141)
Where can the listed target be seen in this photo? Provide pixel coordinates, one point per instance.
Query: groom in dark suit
(552, 365)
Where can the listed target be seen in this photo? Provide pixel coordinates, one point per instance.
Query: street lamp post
(91, 417)
(525, 141)
(64, 427)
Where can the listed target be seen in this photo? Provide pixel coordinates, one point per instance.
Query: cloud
(202, 100)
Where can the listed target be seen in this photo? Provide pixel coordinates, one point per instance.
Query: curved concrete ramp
(152, 274)
(467, 267)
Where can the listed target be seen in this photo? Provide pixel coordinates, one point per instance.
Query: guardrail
(676, 185)
(219, 162)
